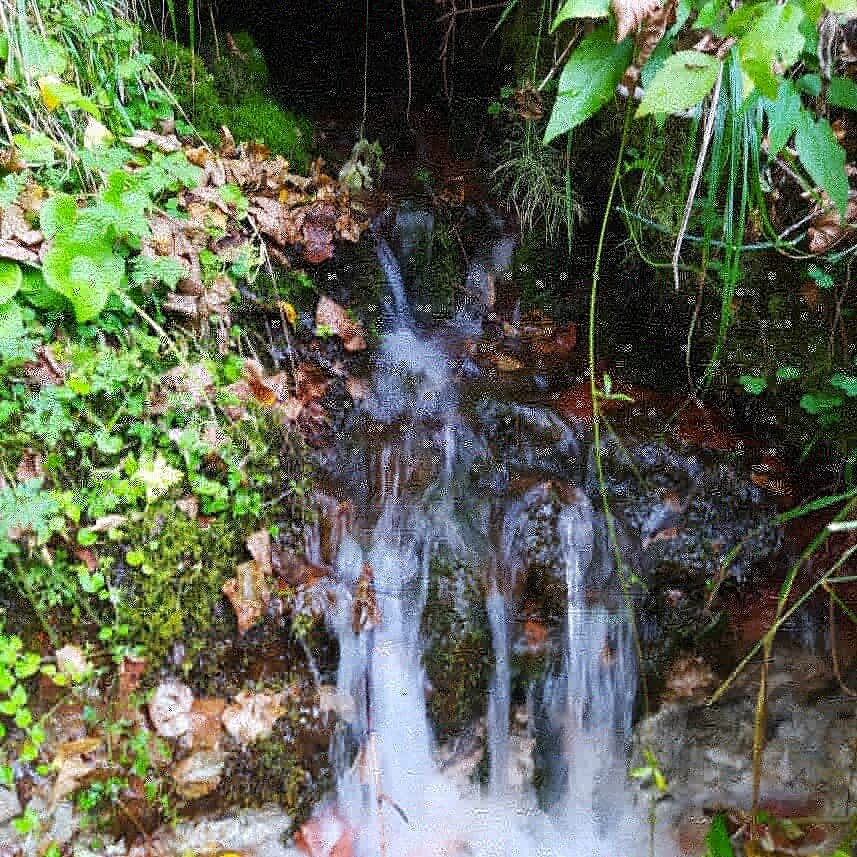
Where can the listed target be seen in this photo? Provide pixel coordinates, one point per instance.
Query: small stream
(428, 470)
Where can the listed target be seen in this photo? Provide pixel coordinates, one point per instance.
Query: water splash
(422, 501)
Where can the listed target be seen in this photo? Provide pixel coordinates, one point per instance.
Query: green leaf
(10, 280)
(588, 80)
(717, 839)
(846, 383)
(823, 158)
(581, 9)
(58, 213)
(681, 82)
(36, 291)
(810, 84)
(788, 373)
(842, 92)
(842, 7)
(86, 273)
(817, 403)
(753, 384)
(15, 345)
(773, 37)
(36, 150)
(783, 114)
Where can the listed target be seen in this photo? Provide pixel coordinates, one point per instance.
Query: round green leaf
(86, 273)
(37, 292)
(10, 280)
(58, 213)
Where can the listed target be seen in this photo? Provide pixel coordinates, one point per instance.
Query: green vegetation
(230, 90)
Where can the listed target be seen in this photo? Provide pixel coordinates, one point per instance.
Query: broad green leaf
(588, 80)
(59, 212)
(846, 383)
(773, 37)
(842, 92)
(37, 292)
(581, 9)
(783, 113)
(56, 93)
(36, 150)
(753, 384)
(823, 158)
(788, 373)
(682, 81)
(10, 280)
(816, 403)
(43, 55)
(842, 7)
(86, 273)
(15, 345)
(717, 839)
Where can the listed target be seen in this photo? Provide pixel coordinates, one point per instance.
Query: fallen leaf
(72, 661)
(332, 315)
(827, 230)
(107, 522)
(206, 728)
(74, 762)
(169, 709)
(249, 595)
(188, 506)
(199, 774)
(507, 363)
(365, 614)
(252, 716)
(30, 466)
(45, 370)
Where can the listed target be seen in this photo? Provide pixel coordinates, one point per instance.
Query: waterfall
(421, 500)
(499, 703)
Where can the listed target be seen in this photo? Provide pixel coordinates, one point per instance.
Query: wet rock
(169, 709)
(199, 774)
(689, 509)
(257, 831)
(705, 752)
(327, 834)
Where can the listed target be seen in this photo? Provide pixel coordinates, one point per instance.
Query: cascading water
(420, 500)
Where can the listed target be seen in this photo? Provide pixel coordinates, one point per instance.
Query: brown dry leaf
(72, 661)
(630, 15)
(311, 382)
(107, 522)
(131, 672)
(528, 103)
(30, 466)
(358, 388)
(206, 729)
(17, 252)
(827, 230)
(252, 716)
(165, 143)
(317, 244)
(507, 363)
(648, 39)
(330, 314)
(45, 370)
(199, 774)
(191, 385)
(710, 44)
(75, 761)
(259, 546)
(249, 595)
(365, 614)
(260, 389)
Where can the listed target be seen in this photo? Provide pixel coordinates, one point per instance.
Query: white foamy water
(393, 794)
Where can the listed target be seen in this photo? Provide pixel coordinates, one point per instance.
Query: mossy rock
(231, 90)
(458, 659)
(175, 595)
